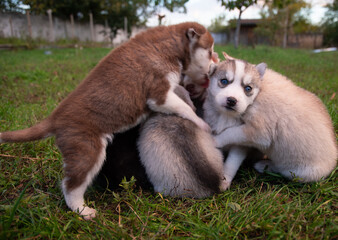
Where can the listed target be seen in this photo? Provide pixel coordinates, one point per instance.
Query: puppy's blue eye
(224, 81)
(247, 88)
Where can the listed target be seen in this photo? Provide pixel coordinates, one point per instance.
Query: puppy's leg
(234, 160)
(83, 158)
(300, 173)
(242, 135)
(174, 104)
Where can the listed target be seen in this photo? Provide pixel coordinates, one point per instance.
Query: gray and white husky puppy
(180, 159)
(252, 106)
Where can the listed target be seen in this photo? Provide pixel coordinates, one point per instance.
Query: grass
(29, 43)
(258, 206)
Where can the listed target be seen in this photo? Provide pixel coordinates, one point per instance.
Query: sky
(204, 11)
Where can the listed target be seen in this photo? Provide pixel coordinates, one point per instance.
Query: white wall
(62, 29)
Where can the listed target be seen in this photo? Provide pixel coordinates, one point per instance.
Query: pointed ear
(212, 69)
(214, 57)
(192, 35)
(261, 69)
(227, 57)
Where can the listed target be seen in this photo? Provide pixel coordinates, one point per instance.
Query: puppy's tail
(36, 132)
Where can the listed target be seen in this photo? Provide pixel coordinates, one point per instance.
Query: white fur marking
(199, 65)
(234, 160)
(74, 198)
(247, 79)
(240, 70)
(173, 78)
(174, 104)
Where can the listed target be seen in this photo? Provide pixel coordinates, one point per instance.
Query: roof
(248, 22)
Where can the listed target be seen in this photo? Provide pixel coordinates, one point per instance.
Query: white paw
(225, 185)
(262, 165)
(88, 213)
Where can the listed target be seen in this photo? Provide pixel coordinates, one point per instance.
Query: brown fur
(114, 96)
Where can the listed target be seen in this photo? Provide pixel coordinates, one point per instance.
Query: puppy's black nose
(231, 101)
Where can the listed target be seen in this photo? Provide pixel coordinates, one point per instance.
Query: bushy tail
(36, 132)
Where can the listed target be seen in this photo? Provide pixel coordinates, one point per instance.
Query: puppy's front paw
(88, 213)
(225, 185)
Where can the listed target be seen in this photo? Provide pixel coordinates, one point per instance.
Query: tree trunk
(51, 25)
(29, 24)
(72, 26)
(11, 26)
(286, 25)
(91, 24)
(238, 29)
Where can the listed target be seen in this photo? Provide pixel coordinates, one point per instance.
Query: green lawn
(258, 206)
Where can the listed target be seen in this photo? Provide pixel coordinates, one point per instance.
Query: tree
(301, 24)
(280, 17)
(241, 6)
(9, 5)
(330, 25)
(284, 14)
(218, 24)
(135, 12)
(172, 6)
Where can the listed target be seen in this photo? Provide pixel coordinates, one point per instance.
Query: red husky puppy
(139, 76)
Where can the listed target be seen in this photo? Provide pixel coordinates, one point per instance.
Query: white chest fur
(218, 120)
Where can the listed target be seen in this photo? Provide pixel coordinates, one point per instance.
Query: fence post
(29, 24)
(11, 26)
(51, 27)
(126, 25)
(91, 26)
(72, 26)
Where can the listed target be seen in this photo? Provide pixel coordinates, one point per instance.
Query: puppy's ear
(227, 57)
(214, 57)
(261, 69)
(212, 69)
(192, 35)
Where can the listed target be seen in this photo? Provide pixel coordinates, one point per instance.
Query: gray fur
(261, 69)
(180, 159)
(184, 95)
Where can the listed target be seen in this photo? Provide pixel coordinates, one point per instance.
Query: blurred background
(286, 23)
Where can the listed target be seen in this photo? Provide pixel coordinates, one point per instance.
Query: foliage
(257, 206)
(218, 24)
(64, 8)
(279, 18)
(9, 5)
(171, 5)
(241, 6)
(302, 24)
(330, 25)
